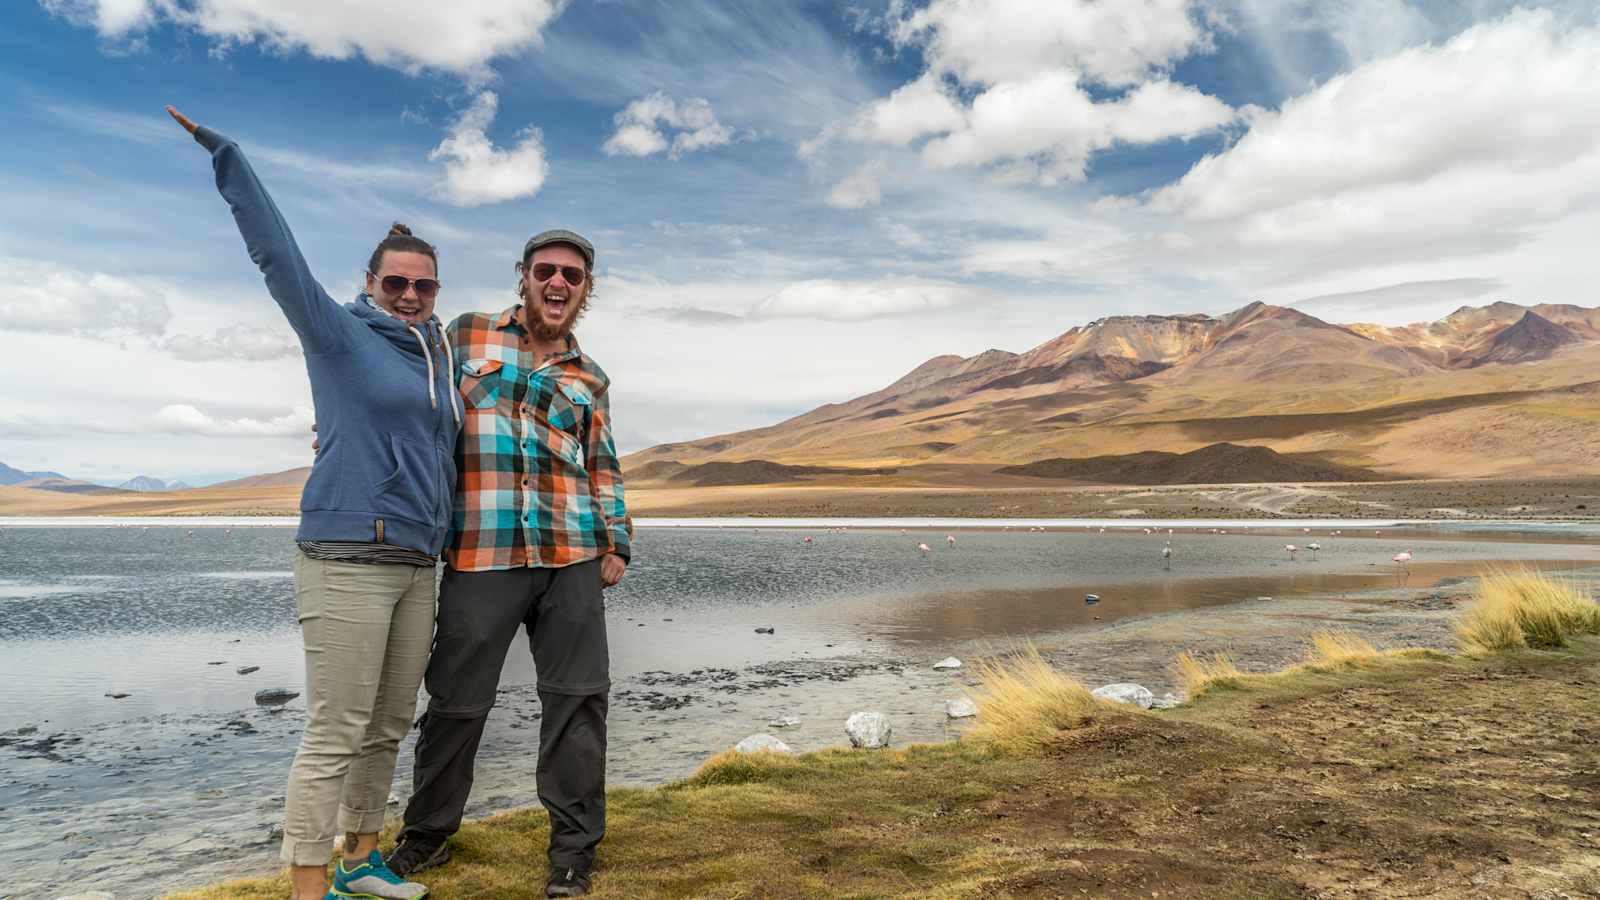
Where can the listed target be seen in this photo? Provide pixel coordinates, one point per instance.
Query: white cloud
(642, 127)
(54, 299)
(475, 172)
(181, 418)
(1434, 150)
(859, 190)
(1112, 42)
(853, 301)
(912, 111)
(404, 34)
(1032, 90)
(1050, 123)
(237, 342)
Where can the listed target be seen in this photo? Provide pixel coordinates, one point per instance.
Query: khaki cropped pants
(367, 632)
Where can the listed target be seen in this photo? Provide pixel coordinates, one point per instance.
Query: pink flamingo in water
(922, 545)
(1292, 551)
(1402, 558)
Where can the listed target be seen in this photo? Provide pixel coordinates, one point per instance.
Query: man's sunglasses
(546, 271)
(427, 288)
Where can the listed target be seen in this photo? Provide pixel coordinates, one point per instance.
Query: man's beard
(546, 332)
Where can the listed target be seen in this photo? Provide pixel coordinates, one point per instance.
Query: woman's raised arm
(319, 321)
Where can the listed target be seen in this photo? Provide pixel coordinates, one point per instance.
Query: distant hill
(9, 475)
(1216, 464)
(1498, 390)
(749, 471)
(295, 478)
(68, 486)
(149, 484)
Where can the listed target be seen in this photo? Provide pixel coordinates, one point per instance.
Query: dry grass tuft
(1200, 675)
(1340, 648)
(1023, 704)
(1519, 608)
(733, 767)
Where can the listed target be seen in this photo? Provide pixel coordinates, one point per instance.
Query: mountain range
(1497, 390)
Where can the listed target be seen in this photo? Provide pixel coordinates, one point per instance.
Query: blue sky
(793, 203)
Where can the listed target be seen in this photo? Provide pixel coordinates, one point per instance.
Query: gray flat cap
(560, 236)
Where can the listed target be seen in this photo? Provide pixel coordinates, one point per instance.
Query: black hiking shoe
(567, 883)
(414, 854)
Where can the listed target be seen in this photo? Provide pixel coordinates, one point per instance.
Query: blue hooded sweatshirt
(387, 413)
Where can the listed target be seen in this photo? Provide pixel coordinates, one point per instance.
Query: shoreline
(1428, 775)
(656, 706)
(960, 493)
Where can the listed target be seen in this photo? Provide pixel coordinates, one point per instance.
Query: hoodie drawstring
(450, 366)
(433, 394)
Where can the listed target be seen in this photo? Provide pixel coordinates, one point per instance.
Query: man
(540, 526)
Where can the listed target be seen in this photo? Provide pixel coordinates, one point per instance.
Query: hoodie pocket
(480, 383)
(406, 492)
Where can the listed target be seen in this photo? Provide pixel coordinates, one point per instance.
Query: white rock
(949, 662)
(784, 722)
(91, 895)
(961, 708)
(394, 799)
(868, 729)
(1166, 702)
(756, 743)
(1127, 692)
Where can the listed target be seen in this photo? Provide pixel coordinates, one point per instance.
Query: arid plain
(1492, 412)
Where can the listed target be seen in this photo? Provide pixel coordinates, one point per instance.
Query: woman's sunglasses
(546, 271)
(427, 288)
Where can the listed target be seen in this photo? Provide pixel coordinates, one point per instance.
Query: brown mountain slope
(1215, 464)
(1403, 401)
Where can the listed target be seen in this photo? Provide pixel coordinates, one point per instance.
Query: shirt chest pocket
(569, 409)
(480, 382)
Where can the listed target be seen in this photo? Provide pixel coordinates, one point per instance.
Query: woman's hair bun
(398, 228)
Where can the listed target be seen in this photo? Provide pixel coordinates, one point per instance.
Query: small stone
(246, 670)
(217, 662)
(1168, 701)
(868, 730)
(784, 722)
(949, 662)
(394, 799)
(766, 631)
(90, 895)
(960, 708)
(275, 696)
(275, 831)
(1126, 692)
(118, 695)
(757, 743)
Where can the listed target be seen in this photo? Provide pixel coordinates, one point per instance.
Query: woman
(373, 518)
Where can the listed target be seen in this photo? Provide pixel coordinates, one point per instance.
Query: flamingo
(1402, 558)
(806, 540)
(1305, 531)
(923, 547)
(951, 538)
(1166, 555)
(1292, 551)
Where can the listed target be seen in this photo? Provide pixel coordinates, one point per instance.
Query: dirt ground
(1418, 778)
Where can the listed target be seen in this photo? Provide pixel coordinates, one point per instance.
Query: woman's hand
(182, 119)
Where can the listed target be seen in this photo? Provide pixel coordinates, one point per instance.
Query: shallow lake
(158, 788)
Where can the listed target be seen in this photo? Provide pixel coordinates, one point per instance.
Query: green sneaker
(372, 880)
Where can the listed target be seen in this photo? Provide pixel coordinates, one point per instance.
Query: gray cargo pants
(479, 613)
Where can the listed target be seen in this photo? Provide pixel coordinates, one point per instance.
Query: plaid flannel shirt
(539, 484)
